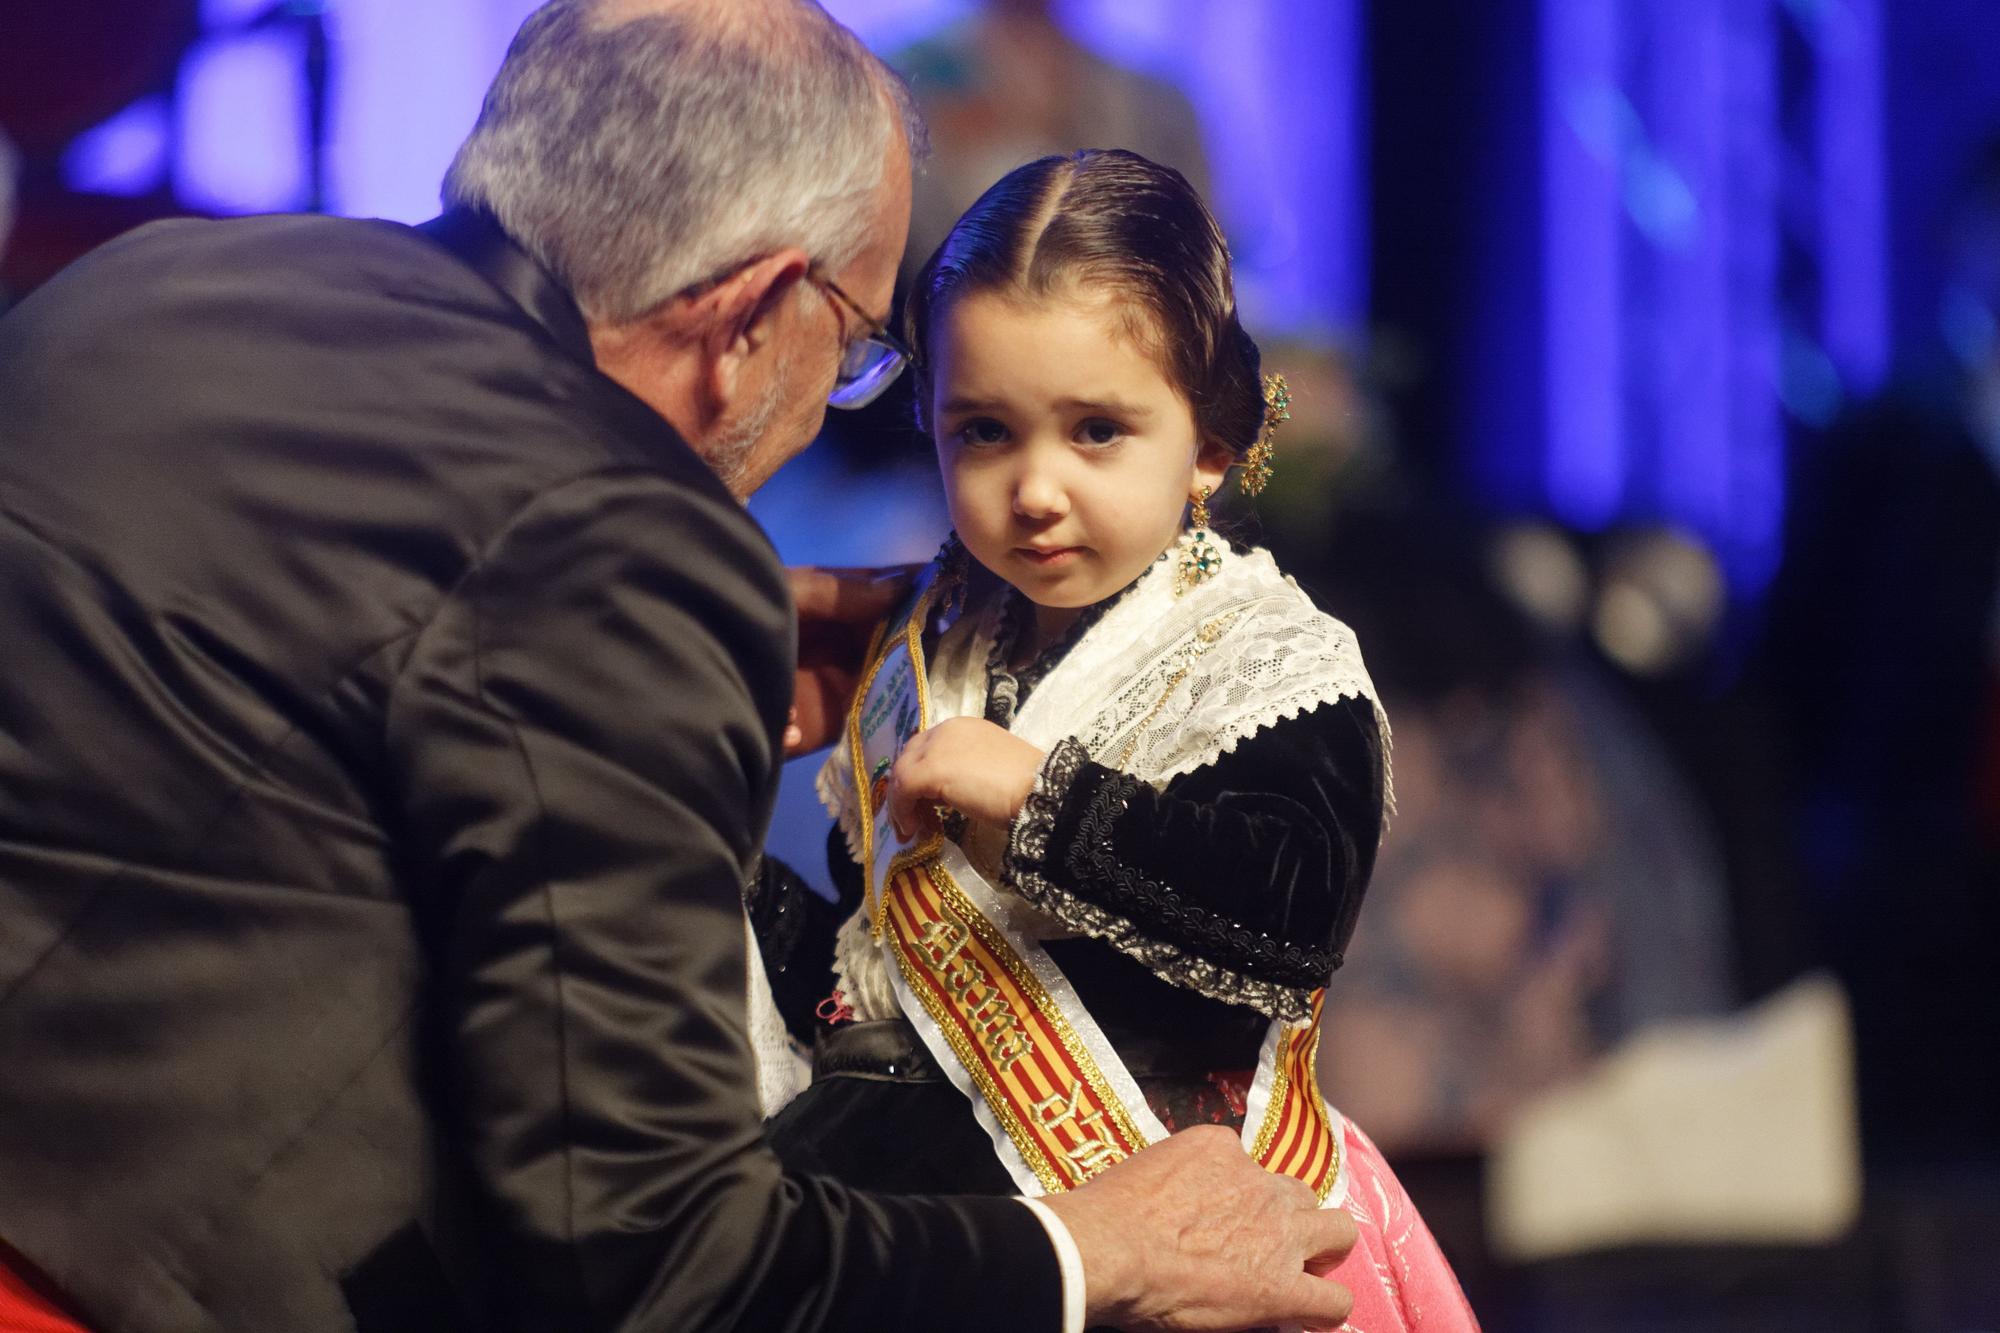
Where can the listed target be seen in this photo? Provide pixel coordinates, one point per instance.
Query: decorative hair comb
(1257, 462)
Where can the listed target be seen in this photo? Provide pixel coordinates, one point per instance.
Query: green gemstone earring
(1200, 557)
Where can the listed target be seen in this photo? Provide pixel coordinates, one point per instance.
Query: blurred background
(1646, 367)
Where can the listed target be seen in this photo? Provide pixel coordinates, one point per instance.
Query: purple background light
(1662, 354)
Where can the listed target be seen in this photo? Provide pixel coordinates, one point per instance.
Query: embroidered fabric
(1230, 951)
(834, 784)
(861, 971)
(1028, 838)
(1276, 656)
(1163, 684)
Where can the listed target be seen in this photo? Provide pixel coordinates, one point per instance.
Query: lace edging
(1028, 837)
(837, 795)
(1132, 690)
(1027, 845)
(861, 970)
(1256, 724)
(1169, 962)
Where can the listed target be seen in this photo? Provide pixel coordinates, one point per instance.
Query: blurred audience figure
(1548, 884)
(1884, 644)
(1009, 85)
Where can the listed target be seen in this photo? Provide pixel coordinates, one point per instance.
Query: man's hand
(1191, 1236)
(837, 609)
(982, 771)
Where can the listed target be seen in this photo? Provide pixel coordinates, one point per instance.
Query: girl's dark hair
(1108, 218)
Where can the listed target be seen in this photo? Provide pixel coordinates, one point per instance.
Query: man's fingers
(1322, 1303)
(849, 596)
(819, 708)
(836, 608)
(1329, 1235)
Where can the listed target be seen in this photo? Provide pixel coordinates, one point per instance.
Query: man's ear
(743, 313)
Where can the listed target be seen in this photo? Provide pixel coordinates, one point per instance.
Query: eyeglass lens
(866, 369)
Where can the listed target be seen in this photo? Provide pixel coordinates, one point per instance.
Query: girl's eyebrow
(1110, 407)
(1105, 406)
(953, 406)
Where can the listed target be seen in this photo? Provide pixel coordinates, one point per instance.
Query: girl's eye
(980, 430)
(1100, 432)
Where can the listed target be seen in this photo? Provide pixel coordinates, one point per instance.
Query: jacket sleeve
(1241, 880)
(585, 737)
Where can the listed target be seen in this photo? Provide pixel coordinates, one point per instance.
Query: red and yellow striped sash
(1035, 1072)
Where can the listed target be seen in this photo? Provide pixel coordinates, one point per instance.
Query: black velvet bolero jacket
(1254, 864)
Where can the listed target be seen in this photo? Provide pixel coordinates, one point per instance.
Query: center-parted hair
(1111, 220)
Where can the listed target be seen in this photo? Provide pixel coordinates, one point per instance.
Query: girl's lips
(1054, 556)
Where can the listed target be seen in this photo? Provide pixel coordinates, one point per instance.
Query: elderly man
(393, 700)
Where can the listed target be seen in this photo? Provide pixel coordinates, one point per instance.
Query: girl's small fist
(982, 771)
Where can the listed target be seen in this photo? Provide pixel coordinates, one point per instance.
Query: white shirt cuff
(1069, 1259)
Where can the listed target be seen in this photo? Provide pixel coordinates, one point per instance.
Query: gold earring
(1200, 557)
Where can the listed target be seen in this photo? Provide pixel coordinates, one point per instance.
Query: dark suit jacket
(389, 713)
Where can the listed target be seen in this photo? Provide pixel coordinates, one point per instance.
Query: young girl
(1111, 789)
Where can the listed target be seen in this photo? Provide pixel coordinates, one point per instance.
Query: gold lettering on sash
(961, 977)
(1000, 1030)
(1057, 1107)
(1092, 1152)
(941, 941)
(1012, 1048)
(1089, 1157)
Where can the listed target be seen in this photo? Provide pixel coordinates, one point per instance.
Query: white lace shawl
(1161, 686)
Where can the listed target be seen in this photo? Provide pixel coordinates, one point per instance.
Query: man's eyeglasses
(869, 364)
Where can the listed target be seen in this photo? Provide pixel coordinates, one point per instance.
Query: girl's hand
(982, 771)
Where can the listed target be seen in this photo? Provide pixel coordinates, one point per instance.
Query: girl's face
(1068, 456)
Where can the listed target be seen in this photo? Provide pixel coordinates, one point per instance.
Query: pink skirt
(1399, 1277)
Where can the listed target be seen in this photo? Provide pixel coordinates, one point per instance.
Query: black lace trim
(1183, 944)
(1028, 837)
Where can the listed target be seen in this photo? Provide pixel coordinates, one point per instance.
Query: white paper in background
(1734, 1130)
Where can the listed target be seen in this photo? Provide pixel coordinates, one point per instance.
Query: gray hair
(637, 158)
